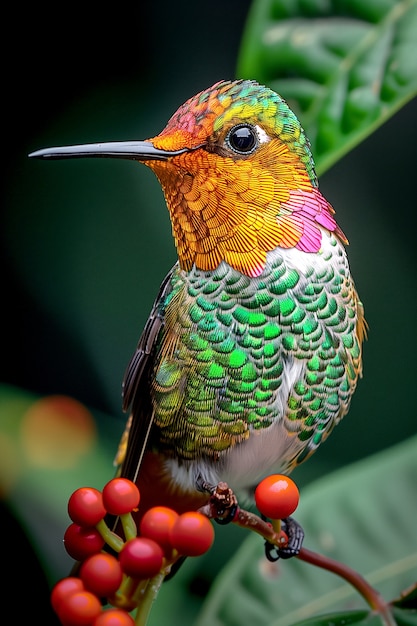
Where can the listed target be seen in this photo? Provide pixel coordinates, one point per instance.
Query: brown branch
(251, 521)
(369, 593)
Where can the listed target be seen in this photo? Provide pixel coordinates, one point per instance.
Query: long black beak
(135, 150)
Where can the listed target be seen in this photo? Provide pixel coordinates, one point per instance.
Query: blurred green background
(85, 244)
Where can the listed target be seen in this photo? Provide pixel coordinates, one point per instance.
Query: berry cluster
(122, 571)
(116, 569)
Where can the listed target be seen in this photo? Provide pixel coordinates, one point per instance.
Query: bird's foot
(295, 535)
(223, 502)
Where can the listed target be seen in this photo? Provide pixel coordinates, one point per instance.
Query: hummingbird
(253, 347)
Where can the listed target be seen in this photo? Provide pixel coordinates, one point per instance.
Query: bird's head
(237, 174)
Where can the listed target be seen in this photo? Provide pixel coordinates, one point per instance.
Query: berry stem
(129, 526)
(276, 525)
(130, 589)
(112, 539)
(148, 596)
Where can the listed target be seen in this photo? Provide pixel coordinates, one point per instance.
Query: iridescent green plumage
(239, 355)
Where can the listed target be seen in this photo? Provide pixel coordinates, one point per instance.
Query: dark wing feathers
(136, 385)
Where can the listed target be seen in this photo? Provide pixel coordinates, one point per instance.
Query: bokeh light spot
(56, 431)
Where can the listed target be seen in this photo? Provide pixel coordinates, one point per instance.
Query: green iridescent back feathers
(228, 340)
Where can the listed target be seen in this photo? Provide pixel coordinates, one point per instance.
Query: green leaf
(404, 617)
(344, 66)
(337, 619)
(363, 516)
(361, 618)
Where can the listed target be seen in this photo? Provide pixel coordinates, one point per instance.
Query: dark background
(85, 244)
(81, 77)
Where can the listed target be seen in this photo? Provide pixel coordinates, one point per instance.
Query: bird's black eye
(243, 139)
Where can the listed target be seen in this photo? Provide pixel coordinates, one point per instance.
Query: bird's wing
(136, 388)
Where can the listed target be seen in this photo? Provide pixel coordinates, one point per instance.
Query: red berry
(81, 542)
(63, 588)
(101, 574)
(120, 496)
(114, 617)
(141, 558)
(157, 523)
(192, 534)
(277, 496)
(79, 609)
(85, 506)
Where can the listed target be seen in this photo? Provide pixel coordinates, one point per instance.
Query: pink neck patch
(307, 211)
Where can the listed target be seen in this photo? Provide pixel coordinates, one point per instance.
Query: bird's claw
(295, 535)
(223, 502)
(230, 516)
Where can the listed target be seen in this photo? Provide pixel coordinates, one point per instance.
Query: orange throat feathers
(237, 210)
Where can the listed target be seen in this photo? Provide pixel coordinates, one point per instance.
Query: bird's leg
(223, 502)
(295, 535)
